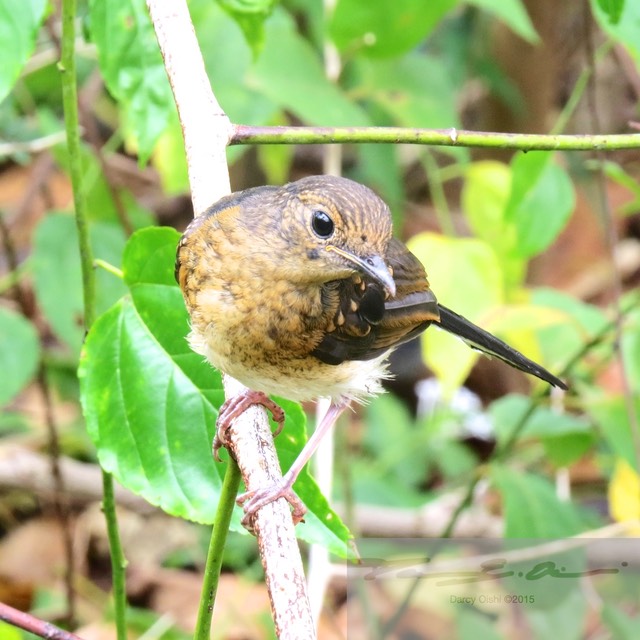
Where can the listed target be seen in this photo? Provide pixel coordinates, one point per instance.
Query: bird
(301, 291)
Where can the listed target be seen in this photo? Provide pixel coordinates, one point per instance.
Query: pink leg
(234, 407)
(258, 498)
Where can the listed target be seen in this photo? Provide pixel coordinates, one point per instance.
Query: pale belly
(296, 379)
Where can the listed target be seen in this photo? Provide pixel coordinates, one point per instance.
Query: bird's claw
(252, 501)
(237, 405)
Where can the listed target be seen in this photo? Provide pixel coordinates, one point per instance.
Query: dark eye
(322, 224)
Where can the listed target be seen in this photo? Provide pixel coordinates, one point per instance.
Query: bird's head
(341, 227)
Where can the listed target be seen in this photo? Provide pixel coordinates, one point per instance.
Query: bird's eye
(322, 224)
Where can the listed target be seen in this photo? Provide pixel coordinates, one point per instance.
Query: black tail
(482, 340)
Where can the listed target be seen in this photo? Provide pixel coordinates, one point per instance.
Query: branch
(36, 626)
(244, 134)
(207, 131)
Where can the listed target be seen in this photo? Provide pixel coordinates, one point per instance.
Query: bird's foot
(252, 501)
(237, 405)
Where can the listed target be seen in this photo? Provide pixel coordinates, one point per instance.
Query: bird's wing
(366, 325)
(488, 344)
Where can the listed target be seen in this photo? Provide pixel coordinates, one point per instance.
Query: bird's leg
(234, 407)
(253, 500)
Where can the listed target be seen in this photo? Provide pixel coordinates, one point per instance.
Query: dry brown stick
(207, 131)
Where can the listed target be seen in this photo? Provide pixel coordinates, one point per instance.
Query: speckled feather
(288, 312)
(272, 307)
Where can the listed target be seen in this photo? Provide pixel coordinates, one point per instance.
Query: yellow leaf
(624, 493)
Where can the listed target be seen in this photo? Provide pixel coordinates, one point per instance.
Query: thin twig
(34, 625)
(67, 68)
(245, 134)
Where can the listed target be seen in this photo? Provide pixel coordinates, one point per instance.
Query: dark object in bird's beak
(373, 266)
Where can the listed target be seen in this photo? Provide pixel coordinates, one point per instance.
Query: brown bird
(301, 291)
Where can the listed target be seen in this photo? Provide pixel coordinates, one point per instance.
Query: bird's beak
(373, 266)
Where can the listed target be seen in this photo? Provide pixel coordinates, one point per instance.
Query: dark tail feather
(482, 340)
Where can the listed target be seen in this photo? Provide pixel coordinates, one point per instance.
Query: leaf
(290, 74)
(566, 437)
(621, 625)
(250, 16)
(227, 59)
(19, 353)
(624, 492)
(416, 90)
(630, 346)
(275, 160)
(58, 278)
(170, 161)
(475, 625)
(485, 194)
(384, 30)
(132, 68)
(611, 415)
(465, 276)
(19, 26)
(541, 201)
(561, 341)
(531, 507)
(151, 403)
(513, 13)
(626, 29)
(613, 9)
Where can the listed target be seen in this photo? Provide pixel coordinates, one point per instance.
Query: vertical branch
(207, 131)
(67, 69)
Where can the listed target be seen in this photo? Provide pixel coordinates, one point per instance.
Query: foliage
(150, 403)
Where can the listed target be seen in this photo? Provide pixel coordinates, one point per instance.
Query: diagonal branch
(207, 132)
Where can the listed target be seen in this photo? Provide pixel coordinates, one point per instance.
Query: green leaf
(132, 68)
(621, 625)
(276, 159)
(290, 74)
(561, 341)
(58, 278)
(465, 276)
(151, 403)
(611, 416)
(626, 29)
(532, 508)
(381, 29)
(513, 13)
(19, 25)
(19, 353)
(485, 195)
(416, 90)
(566, 437)
(630, 345)
(475, 625)
(613, 9)
(378, 166)
(250, 16)
(227, 59)
(541, 202)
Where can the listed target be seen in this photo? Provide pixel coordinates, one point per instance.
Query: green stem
(67, 69)
(221, 522)
(118, 561)
(245, 134)
(108, 267)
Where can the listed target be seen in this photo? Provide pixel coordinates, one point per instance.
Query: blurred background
(541, 248)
